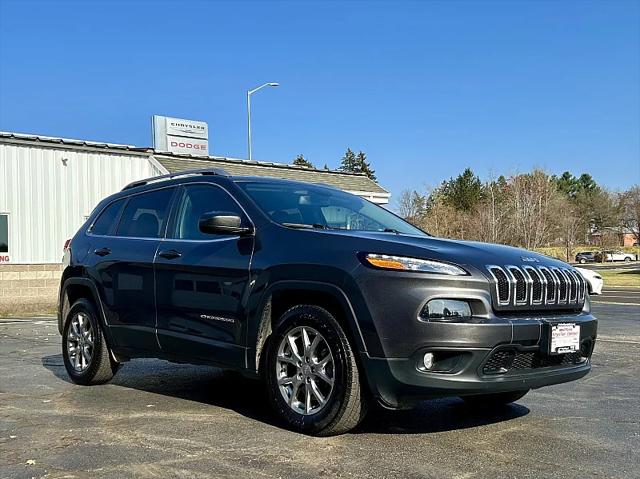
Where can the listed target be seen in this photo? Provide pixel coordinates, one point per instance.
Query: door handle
(170, 254)
(102, 251)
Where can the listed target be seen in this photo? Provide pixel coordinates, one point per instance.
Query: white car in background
(618, 256)
(594, 280)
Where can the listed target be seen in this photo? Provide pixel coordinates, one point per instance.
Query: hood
(454, 251)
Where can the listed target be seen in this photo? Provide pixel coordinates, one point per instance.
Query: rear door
(202, 281)
(121, 260)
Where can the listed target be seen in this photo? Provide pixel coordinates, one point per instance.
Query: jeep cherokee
(332, 300)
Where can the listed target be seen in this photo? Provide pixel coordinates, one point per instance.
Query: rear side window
(105, 224)
(197, 200)
(145, 214)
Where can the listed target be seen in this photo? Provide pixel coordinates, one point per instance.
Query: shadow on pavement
(216, 387)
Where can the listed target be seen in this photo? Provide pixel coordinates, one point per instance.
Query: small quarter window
(105, 224)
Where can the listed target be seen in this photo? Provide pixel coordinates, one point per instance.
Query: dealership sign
(185, 137)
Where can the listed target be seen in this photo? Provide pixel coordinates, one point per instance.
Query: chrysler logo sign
(185, 137)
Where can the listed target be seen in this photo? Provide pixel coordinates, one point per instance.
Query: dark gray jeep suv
(332, 300)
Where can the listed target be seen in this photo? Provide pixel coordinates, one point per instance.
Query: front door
(202, 281)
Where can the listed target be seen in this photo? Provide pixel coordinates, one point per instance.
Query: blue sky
(424, 88)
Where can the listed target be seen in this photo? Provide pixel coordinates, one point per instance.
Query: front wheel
(312, 375)
(494, 400)
(627, 259)
(583, 261)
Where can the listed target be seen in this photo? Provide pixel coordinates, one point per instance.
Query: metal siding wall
(47, 201)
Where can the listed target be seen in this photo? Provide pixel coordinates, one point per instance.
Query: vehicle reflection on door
(199, 298)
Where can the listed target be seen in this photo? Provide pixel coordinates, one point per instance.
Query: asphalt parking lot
(158, 419)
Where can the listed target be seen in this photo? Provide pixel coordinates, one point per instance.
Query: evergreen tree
(356, 164)
(300, 160)
(326, 167)
(348, 162)
(363, 166)
(463, 192)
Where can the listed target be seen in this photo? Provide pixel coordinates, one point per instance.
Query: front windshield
(298, 205)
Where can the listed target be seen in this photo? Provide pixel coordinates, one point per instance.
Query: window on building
(4, 233)
(145, 214)
(105, 224)
(197, 200)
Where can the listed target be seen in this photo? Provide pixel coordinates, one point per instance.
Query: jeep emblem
(529, 259)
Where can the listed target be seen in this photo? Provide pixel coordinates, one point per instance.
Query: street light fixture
(249, 93)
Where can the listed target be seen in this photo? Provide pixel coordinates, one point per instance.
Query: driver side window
(197, 200)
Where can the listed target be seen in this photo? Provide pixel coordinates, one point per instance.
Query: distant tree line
(530, 210)
(350, 162)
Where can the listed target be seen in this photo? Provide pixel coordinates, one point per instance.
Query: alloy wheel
(80, 342)
(305, 370)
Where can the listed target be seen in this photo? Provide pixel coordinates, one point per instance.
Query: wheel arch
(74, 288)
(282, 295)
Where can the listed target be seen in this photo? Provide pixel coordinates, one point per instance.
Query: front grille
(510, 360)
(537, 287)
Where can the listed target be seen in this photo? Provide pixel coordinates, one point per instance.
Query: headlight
(452, 310)
(413, 264)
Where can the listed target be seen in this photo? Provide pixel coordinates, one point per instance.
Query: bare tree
(630, 211)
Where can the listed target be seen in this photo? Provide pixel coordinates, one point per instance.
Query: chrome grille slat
(539, 287)
(520, 285)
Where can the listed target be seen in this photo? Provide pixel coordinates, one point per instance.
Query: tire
(627, 259)
(99, 368)
(583, 261)
(494, 400)
(345, 404)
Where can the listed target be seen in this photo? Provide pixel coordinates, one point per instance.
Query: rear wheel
(84, 349)
(627, 259)
(312, 375)
(583, 261)
(496, 399)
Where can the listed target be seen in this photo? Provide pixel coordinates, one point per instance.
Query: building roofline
(59, 142)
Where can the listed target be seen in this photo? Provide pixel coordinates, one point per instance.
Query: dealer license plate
(565, 338)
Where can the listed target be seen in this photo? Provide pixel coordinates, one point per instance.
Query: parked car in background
(594, 280)
(618, 256)
(587, 257)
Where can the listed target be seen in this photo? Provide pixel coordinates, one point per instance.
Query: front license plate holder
(562, 338)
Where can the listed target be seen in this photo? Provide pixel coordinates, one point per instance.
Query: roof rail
(204, 172)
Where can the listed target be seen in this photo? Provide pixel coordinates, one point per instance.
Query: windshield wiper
(317, 226)
(391, 230)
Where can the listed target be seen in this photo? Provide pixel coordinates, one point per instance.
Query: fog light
(428, 360)
(446, 310)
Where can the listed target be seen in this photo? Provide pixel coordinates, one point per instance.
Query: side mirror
(223, 223)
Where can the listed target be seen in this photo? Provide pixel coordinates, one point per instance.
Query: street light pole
(249, 93)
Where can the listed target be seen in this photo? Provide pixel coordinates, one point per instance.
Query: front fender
(354, 313)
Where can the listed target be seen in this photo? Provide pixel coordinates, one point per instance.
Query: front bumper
(472, 356)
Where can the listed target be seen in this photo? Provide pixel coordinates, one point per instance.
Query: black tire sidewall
(84, 377)
(323, 322)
